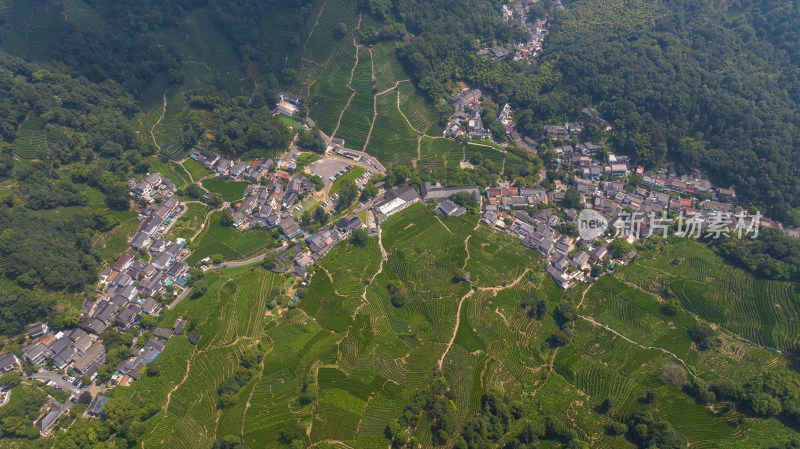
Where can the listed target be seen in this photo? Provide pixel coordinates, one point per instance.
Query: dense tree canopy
(653, 72)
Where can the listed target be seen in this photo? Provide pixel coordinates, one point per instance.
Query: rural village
(155, 273)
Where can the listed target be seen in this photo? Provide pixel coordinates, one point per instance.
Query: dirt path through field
(384, 258)
(163, 113)
(613, 331)
(202, 226)
(608, 328)
(191, 178)
(314, 27)
(445, 226)
(466, 244)
(335, 290)
(550, 371)
(397, 85)
(331, 442)
(352, 95)
(455, 330)
(8, 186)
(500, 288)
(583, 295)
(202, 64)
(392, 88)
(178, 385)
(374, 100)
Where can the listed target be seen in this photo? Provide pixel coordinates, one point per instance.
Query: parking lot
(57, 379)
(327, 167)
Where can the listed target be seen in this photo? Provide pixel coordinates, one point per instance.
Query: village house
(8, 362)
(37, 330)
(430, 193)
(449, 209)
(347, 224)
(50, 418)
(93, 355)
(95, 408)
(394, 201)
(205, 157)
(36, 353)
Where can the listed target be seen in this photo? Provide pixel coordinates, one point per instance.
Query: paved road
(367, 161)
(366, 205)
(242, 263)
(179, 298)
(288, 156)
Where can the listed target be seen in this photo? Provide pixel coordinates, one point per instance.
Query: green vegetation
(359, 237)
(31, 140)
(307, 158)
(228, 242)
(196, 169)
(290, 123)
(356, 358)
(21, 411)
(172, 171)
(329, 93)
(761, 311)
(392, 139)
(189, 223)
(420, 113)
(356, 120)
(496, 258)
(230, 191)
(388, 69)
(391, 342)
(350, 176)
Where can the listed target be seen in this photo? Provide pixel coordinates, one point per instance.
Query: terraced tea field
(356, 120)
(345, 361)
(764, 312)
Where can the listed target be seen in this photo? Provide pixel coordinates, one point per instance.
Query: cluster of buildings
(447, 206)
(76, 348)
(393, 201)
(506, 210)
(269, 205)
(467, 120)
(130, 289)
(131, 369)
(155, 220)
(563, 132)
(518, 11)
(151, 187)
(235, 169)
(270, 198)
(288, 104)
(603, 187)
(318, 246)
(297, 261)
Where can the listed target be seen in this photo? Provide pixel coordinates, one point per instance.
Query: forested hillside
(707, 84)
(78, 118)
(693, 83)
